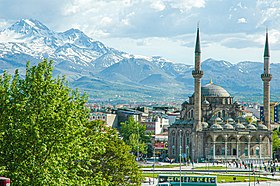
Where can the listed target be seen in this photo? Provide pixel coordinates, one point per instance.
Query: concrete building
(156, 124)
(211, 127)
(110, 120)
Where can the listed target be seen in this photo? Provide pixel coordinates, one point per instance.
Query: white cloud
(240, 4)
(185, 5)
(242, 20)
(3, 24)
(158, 5)
(105, 21)
(165, 20)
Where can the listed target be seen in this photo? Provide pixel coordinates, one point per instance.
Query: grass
(210, 168)
(229, 178)
(161, 166)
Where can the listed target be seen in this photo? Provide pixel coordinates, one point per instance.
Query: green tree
(134, 134)
(249, 119)
(275, 139)
(45, 136)
(40, 122)
(108, 157)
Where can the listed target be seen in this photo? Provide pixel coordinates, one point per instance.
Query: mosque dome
(251, 127)
(262, 127)
(211, 90)
(228, 127)
(239, 126)
(216, 127)
(204, 125)
(230, 120)
(216, 119)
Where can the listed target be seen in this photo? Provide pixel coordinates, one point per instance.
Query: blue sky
(230, 30)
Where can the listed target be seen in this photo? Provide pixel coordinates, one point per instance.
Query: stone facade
(211, 127)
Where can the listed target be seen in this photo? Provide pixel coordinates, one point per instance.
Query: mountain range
(107, 74)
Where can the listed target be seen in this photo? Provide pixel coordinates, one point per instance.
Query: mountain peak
(216, 63)
(29, 27)
(75, 32)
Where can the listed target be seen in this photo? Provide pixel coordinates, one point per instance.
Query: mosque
(211, 127)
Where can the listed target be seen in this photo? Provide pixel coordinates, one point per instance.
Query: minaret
(266, 77)
(197, 74)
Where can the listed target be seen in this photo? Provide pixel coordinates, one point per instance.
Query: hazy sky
(230, 30)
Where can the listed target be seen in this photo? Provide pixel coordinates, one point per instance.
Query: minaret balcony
(197, 73)
(266, 77)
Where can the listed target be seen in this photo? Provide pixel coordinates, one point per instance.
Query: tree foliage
(134, 134)
(46, 138)
(108, 157)
(275, 139)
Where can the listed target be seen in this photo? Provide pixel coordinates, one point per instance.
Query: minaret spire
(197, 74)
(266, 47)
(266, 78)
(197, 43)
(197, 50)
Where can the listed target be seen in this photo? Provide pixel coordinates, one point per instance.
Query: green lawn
(229, 178)
(161, 166)
(210, 168)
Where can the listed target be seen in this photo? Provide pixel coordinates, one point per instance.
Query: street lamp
(154, 154)
(249, 173)
(187, 154)
(226, 165)
(180, 158)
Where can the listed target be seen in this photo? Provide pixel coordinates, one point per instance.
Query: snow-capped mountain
(32, 38)
(107, 74)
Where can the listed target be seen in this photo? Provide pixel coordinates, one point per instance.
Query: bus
(189, 180)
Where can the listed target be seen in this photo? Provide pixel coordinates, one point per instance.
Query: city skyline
(230, 30)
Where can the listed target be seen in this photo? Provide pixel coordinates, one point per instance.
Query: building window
(223, 151)
(257, 151)
(187, 141)
(246, 151)
(234, 152)
(224, 113)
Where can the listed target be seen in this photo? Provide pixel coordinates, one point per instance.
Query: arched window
(246, 151)
(257, 151)
(223, 150)
(173, 149)
(224, 113)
